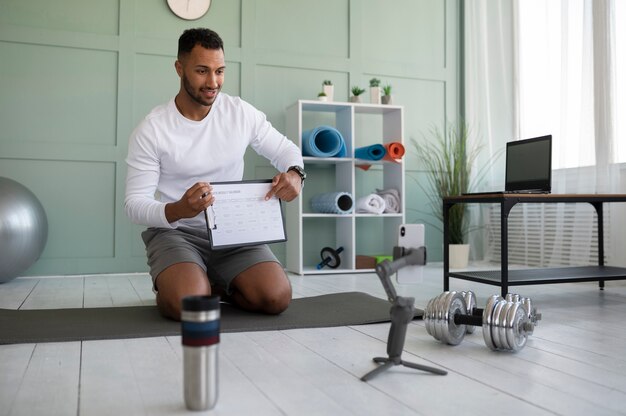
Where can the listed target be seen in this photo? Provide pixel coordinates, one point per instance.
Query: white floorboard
(574, 363)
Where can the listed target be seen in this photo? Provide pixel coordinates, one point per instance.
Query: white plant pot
(355, 99)
(329, 90)
(458, 256)
(322, 98)
(375, 95)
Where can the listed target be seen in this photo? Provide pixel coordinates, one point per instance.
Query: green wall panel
(70, 15)
(404, 31)
(155, 82)
(46, 91)
(305, 28)
(79, 200)
(425, 108)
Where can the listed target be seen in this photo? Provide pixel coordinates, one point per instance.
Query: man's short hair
(207, 38)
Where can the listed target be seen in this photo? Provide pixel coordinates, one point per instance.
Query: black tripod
(401, 312)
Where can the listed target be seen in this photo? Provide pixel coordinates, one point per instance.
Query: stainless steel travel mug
(200, 321)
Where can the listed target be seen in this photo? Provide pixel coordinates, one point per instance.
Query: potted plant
(448, 159)
(329, 89)
(386, 98)
(322, 96)
(375, 91)
(356, 93)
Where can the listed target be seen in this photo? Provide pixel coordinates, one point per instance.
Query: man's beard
(197, 97)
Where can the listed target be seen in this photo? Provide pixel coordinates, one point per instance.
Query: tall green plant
(448, 159)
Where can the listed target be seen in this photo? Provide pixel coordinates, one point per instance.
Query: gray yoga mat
(58, 325)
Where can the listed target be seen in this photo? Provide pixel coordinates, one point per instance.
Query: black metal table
(505, 277)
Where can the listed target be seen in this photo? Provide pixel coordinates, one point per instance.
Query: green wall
(76, 76)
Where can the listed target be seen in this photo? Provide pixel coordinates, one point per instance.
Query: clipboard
(240, 215)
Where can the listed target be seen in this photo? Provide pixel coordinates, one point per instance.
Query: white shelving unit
(358, 234)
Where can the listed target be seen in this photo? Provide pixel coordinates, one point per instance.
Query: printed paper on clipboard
(241, 216)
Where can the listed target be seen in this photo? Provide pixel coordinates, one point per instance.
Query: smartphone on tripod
(410, 236)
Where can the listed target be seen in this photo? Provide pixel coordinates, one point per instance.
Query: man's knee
(263, 288)
(176, 282)
(276, 302)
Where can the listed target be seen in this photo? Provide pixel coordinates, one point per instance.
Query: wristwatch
(300, 171)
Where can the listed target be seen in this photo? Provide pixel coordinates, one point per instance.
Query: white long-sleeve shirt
(168, 153)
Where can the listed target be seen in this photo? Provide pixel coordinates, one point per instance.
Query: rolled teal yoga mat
(373, 152)
(323, 141)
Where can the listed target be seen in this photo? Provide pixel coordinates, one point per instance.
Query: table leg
(600, 217)
(505, 208)
(504, 250)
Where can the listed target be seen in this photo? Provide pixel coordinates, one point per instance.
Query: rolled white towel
(372, 203)
(392, 199)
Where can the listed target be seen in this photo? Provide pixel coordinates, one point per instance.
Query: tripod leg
(424, 368)
(377, 371)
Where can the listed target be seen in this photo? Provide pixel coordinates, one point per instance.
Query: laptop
(528, 167)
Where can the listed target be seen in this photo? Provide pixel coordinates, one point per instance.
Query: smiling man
(198, 137)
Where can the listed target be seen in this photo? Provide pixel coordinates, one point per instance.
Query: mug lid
(201, 303)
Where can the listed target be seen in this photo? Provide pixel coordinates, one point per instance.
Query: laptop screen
(529, 165)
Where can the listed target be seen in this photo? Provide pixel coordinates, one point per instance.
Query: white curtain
(560, 59)
(490, 101)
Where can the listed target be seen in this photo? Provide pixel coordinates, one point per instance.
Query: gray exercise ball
(23, 229)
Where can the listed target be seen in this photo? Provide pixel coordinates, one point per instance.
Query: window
(556, 86)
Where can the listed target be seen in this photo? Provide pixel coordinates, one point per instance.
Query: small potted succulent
(386, 98)
(356, 94)
(329, 89)
(322, 96)
(375, 91)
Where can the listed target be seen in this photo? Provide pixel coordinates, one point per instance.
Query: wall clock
(189, 9)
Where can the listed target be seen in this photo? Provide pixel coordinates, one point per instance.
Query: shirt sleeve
(142, 178)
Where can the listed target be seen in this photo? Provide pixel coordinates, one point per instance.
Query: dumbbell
(506, 323)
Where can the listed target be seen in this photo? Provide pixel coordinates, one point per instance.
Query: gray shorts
(166, 247)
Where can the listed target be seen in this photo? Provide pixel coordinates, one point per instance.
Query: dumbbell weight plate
(497, 319)
(453, 334)
(428, 320)
(528, 305)
(515, 334)
(438, 311)
(531, 311)
(504, 324)
(488, 321)
(513, 297)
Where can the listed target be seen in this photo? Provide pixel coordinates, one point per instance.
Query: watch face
(189, 9)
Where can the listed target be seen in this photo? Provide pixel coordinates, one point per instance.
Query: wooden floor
(574, 364)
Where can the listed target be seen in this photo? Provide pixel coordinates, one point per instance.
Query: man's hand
(286, 186)
(195, 200)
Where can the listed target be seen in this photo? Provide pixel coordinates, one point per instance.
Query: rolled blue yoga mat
(332, 203)
(323, 141)
(373, 152)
